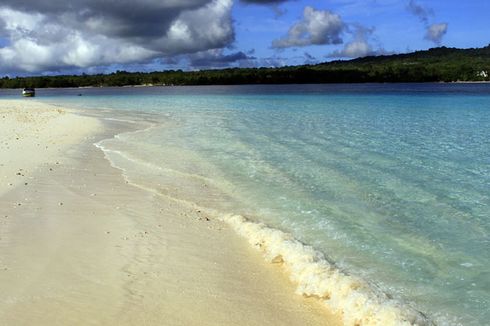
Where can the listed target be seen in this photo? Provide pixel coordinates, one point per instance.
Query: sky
(49, 37)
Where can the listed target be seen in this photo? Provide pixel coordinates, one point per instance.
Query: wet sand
(79, 245)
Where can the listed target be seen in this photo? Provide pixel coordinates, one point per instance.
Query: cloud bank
(56, 34)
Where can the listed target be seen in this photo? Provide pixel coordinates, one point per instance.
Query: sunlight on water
(392, 183)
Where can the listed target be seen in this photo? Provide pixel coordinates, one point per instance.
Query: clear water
(392, 182)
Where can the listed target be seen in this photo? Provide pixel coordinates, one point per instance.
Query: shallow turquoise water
(392, 182)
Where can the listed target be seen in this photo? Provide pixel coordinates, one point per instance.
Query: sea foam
(356, 301)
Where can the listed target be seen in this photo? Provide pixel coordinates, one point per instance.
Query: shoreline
(357, 301)
(86, 246)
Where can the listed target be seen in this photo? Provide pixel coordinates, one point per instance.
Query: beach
(244, 162)
(79, 244)
(248, 205)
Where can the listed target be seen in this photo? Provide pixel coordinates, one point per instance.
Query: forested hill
(438, 64)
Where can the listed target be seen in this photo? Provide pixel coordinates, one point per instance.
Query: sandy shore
(78, 245)
(33, 134)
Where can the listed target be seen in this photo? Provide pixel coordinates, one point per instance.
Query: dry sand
(80, 246)
(33, 134)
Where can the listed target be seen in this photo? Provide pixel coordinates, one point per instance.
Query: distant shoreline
(277, 84)
(469, 82)
(434, 65)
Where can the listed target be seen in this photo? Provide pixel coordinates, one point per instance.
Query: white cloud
(360, 46)
(206, 28)
(433, 32)
(436, 32)
(316, 28)
(354, 49)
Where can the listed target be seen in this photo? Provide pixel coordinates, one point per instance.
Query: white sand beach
(81, 246)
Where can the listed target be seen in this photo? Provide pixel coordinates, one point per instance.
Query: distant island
(440, 64)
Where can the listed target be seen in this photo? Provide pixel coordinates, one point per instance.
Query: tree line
(434, 65)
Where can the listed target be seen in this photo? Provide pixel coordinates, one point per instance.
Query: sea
(375, 197)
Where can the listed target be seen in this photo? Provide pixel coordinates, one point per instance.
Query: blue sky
(68, 36)
(396, 29)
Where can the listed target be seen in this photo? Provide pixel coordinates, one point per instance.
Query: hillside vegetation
(434, 65)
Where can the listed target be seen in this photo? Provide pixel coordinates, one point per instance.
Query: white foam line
(356, 301)
(148, 164)
(120, 120)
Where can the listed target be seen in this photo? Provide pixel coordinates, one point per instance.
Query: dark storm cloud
(88, 32)
(147, 18)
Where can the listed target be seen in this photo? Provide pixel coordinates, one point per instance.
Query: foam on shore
(357, 302)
